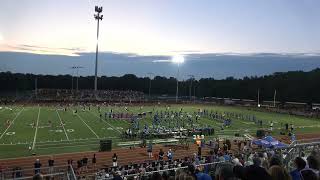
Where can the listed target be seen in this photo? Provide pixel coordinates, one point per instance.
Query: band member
(271, 126)
(8, 123)
(50, 123)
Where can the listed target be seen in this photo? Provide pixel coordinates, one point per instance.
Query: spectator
(170, 154)
(79, 166)
(278, 173)
(114, 160)
(156, 176)
(85, 163)
(236, 162)
(161, 154)
(239, 172)
(300, 164)
(2, 169)
(313, 164)
(224, 172)
(308, 174)
(37, 166)
(149, 150)
(275, 160)
(191, 171)
(255, 171)
(51, 165)
(94, 161)
(117, 176)
(203, 176)
(37, 177)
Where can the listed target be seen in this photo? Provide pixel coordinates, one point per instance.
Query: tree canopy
(290, 86)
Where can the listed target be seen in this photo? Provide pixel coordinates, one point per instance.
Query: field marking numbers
(11, 123)
(88, 126)
(10, 133)
(70, 130)
(36, 131)
(63, 126)
(106, 123)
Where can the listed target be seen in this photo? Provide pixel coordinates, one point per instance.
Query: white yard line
(11, 123)
(65, 132)
(36, 131)
(88, 126)
(113, 128)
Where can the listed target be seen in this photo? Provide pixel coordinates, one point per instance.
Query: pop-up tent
(269, 142)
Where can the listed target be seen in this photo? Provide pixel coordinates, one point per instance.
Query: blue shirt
(295, 174)
(203, 176)
(227, 157)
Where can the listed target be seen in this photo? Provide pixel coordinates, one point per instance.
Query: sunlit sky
(161, 27)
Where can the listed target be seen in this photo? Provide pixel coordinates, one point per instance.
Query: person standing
(85, 163)
(161, 154)
(51, 165)
(114, 160)
(149, 150)
(291, 128)
(271, 126)
(170, 155)
(37, 166)
(94, 161)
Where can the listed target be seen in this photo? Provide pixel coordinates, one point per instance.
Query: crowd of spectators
(88, 95)
(220, 165)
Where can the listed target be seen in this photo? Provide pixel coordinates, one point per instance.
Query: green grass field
(81, 132)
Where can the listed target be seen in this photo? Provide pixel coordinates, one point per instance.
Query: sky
(158, 29)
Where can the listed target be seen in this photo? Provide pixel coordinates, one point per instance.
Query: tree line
(295, 86)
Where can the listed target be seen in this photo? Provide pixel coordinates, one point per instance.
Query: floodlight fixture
(97, 17)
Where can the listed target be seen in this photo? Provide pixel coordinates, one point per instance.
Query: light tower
(98, 17)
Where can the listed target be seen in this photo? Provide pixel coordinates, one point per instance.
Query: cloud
(215, 65)
(43, 49)
(161, 60)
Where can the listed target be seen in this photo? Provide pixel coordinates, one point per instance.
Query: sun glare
(177, 59)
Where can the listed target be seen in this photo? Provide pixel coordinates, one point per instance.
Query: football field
(51, 129)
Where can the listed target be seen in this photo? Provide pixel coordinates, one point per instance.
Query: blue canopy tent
(269, 142)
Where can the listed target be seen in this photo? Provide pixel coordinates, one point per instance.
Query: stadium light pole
(98, 17)
(178, 59)
(190, 88)
(150, 74)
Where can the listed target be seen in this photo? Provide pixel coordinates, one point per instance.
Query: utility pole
(36, 87)
(274, 98)
(177, 90)
(150, 74)
(77, 82)
(258, 97)
(190, 88)
(98, 17)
